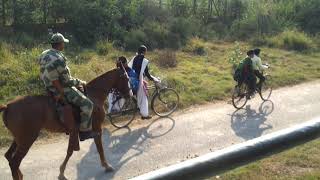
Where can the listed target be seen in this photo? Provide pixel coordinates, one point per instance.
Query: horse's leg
(9, 154)
(104, 163)
(19, 154)
(64, 164)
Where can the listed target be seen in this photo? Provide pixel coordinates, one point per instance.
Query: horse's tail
(2, 109)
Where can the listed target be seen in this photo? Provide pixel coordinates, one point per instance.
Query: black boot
(87, 135)
(146, 117)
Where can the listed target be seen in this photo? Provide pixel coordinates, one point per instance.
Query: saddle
(66, 113)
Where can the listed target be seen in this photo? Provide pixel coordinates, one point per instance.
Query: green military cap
(58, 38)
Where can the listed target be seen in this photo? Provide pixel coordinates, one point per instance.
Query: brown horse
(26, 116)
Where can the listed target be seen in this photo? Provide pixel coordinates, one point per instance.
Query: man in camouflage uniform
(55, 74)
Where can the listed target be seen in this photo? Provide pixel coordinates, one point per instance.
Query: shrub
(104, 47)
(208, 32)
(157, 35)
(180, 30)
(292, 40)
(195, 46)
(25, 40)
(166, 59)
(235, 56)
(134, 39)
(173, 41)
(259, 41)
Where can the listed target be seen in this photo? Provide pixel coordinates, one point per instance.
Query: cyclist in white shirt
(258, 66)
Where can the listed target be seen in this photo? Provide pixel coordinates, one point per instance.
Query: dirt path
(149, 145)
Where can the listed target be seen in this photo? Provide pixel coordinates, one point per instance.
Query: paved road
(149, 145)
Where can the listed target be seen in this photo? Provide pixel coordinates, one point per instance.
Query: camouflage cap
(58, 38)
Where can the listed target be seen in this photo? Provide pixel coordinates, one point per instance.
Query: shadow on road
(120, 147)
(247, 123)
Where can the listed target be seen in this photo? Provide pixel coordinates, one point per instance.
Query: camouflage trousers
(77, 98)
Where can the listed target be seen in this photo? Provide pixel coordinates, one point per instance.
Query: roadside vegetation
(200, 71)
(298, 163)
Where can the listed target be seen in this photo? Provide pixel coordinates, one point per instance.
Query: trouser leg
(77, 98)
(252, 84)
(260, 76)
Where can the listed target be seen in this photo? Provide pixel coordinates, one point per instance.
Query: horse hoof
(108, 168)
(62, 177)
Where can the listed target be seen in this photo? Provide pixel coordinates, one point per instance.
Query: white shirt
(257, 63)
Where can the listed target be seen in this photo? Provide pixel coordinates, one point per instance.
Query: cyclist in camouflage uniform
(55, 74)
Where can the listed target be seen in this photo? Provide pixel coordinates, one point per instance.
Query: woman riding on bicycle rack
(245, 73)
(140, 65)
(122, 63)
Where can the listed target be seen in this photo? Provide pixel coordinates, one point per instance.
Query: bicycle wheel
(165, 102)
(266, 89)
(123, 112)
(239, 96)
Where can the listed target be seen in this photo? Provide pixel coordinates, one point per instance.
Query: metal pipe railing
(237, 155)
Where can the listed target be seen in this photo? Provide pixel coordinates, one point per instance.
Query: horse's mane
(101, 77)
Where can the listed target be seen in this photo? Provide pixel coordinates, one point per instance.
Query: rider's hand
(81, 88)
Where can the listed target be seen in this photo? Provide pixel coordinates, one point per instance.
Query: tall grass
(196, 46)
(166, 59)
(292, 40)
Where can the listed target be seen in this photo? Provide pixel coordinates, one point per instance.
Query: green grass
(298, 163)
(198, 77)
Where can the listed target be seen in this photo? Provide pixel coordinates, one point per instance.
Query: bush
(259, 41)
(195, 46)
(292, 40)
(25, 40)
(173, 41)
(104, 47)
(157, 35)
(208, 32)
(180, 30)
(166, 59)
(134, 39)
(235, 56)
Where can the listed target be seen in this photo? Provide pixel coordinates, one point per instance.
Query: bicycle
(240, 93)
(164, 101)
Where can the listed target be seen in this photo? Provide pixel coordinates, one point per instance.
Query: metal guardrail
(234, 156)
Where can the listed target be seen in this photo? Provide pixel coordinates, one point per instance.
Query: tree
(15, 7)
(3, 12)
(45, 11)
(194, 6)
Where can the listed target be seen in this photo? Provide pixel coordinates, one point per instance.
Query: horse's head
(122, 83)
